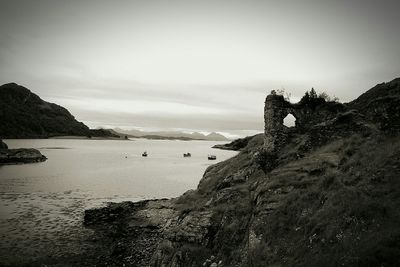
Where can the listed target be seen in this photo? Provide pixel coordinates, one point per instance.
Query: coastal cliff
(323, 193)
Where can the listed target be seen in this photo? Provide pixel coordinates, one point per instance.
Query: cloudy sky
(194, 65)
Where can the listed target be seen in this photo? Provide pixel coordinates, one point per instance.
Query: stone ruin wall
(277, 108)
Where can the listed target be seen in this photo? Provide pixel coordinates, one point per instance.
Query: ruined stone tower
(275, 110)
(307, 113)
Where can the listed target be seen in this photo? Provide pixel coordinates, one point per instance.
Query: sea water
(42, 204)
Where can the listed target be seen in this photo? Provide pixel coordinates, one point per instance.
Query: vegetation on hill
(25, 115)
(330, 198)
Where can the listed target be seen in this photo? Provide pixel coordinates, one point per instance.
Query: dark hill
(381, 105)
(238, 144)
(23, 114)
(328, 196)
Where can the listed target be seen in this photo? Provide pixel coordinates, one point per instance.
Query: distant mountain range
(170, 135)
(23, 114)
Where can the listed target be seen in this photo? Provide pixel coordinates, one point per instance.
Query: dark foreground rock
(20, 155)
(131, 232)
(325, 193)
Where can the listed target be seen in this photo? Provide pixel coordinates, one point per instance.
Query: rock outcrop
(330, 197)
(25, 115)
(20, 155)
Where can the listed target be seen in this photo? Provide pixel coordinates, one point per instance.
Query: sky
(194, 65)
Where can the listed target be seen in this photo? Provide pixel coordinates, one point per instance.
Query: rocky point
(323, 193)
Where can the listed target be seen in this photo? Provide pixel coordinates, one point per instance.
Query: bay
(42, 204)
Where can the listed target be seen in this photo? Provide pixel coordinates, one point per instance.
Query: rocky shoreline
(135, 234)
(130, 231)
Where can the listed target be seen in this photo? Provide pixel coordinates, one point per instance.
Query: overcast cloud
(194, 65)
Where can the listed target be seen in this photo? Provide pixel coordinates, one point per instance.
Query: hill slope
(329, 198)
(381, 105)
(23, 114)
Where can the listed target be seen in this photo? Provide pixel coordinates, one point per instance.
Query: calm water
(42, 204)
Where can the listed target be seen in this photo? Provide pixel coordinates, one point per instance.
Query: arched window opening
(289, 121)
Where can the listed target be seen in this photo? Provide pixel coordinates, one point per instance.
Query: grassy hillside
(329, 197)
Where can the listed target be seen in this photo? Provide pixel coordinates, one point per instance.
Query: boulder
(20, 155)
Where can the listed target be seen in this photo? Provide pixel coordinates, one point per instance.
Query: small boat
(212, 157)
(186, 155)
(144, 154)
